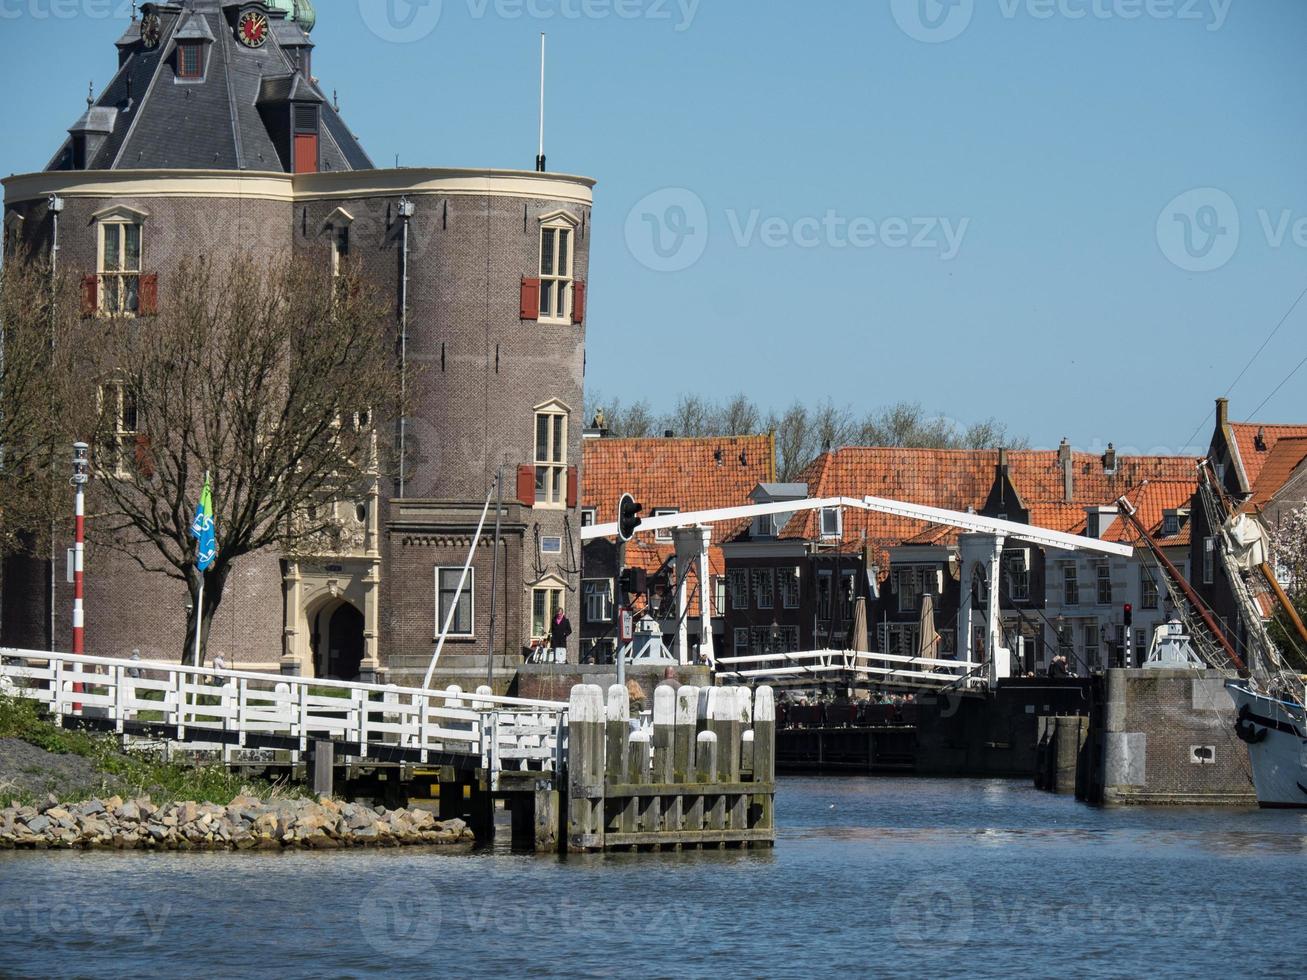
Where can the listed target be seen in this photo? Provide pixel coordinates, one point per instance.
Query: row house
(795, 584)
(667, 476)
(1262, 467)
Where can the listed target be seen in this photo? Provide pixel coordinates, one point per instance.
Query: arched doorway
(338, 642)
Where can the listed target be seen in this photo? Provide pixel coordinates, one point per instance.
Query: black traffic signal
(1129, 615)
(628, 517)
(634, 581)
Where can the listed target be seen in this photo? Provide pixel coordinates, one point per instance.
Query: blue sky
(1080, 216)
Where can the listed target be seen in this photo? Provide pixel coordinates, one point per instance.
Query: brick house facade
(497, 266)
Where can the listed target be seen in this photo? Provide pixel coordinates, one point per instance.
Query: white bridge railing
(202, 709)
(815, 667)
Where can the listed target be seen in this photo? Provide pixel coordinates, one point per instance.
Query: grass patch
(127, 774)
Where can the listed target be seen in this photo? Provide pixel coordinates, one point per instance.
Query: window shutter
(526, 485)
(530, 299)
(148, 303)
(578, 301)
(573, 486)
(144, 458)
(90, 295)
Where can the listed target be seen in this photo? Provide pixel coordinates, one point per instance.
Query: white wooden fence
(828, 666)
(238, 713)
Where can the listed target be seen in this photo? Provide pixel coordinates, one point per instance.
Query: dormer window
(190, 61)
(305, 116)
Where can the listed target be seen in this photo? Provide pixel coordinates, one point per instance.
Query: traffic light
(634, 581)
(628, 517)
(1129, 615)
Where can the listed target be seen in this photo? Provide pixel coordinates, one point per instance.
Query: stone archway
(338, 641)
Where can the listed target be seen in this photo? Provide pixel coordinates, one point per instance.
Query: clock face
(252, 28)
(151, 31)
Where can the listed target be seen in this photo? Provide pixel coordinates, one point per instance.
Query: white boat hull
(1277, 748)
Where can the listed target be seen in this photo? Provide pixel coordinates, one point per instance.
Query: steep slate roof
(963, 479)
(685, 474)
(1267, 469)
(211, 125)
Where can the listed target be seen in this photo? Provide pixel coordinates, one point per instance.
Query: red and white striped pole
(81, 474)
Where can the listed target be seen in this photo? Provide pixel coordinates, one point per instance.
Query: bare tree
(36, 329)
(634, 422)
(271, 380)
(693, 417)
(738, 417)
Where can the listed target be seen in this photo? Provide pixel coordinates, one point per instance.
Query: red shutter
(526, 485)
(144, 458)
(90, 295)
(306, 153)
(573, 486)
(578, 301)
(148, 299)
(530, 299)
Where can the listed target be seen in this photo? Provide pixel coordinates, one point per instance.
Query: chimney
(1068, 473)
(669, 434)
(1109, 459)
(1260, 441)
(1222, 412)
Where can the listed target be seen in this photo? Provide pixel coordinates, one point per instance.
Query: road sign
(626, 625)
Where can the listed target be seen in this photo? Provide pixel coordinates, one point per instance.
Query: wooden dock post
(617, 765)
(587, 719)
(642, 775)
(664, 725)
(683, 738)
(714, 804)
(324, 766)
(764, 756)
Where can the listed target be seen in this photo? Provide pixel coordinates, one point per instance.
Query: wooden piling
(324, 767)
(764, 757)
(683, 738)
(620, 812)
(587, 720)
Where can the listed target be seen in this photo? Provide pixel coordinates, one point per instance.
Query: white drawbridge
(981, 547)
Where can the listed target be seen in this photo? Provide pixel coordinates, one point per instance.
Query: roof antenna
(133, 11)
(90, 93)
(335, 100)
(540, 159)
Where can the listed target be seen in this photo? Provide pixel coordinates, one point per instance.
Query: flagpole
(199, 608)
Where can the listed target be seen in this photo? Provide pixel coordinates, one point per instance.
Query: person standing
(558, 634)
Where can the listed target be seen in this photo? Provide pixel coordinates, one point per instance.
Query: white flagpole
(199, 608)
(540, 159)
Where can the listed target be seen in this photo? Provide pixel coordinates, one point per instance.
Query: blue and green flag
(202, 529)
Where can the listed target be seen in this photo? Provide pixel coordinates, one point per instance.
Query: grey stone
(39, 824)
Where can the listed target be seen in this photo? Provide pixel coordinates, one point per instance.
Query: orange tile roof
(652, 557)
(1281, 462)
(1151, 502)
(1252, 458)
(962, 479)
(684, 474)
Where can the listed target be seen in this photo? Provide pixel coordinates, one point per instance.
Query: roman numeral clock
(252, 28)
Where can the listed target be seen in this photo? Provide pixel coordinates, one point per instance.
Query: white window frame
(664, 535)
(589, 516)
(764, 526)
(787, 584)
(1150, 595)
(469, 589)
(123, 440)
(719, 595)
(557, 592)
(738, 579)
(837, 533)
(1103, 577)
(340, 226)
(1209, 561)
(121, 219)
(557, 287)
(1070, 584)
(551, 468)
(600, 591)
(544, 550)
(740, 641)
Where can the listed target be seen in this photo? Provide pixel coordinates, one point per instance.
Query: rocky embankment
(244, 824)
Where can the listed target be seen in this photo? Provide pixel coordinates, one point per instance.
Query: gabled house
(667, 476)
(1262, 467)
(830, 559)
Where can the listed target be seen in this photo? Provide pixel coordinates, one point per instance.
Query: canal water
(869, 877)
